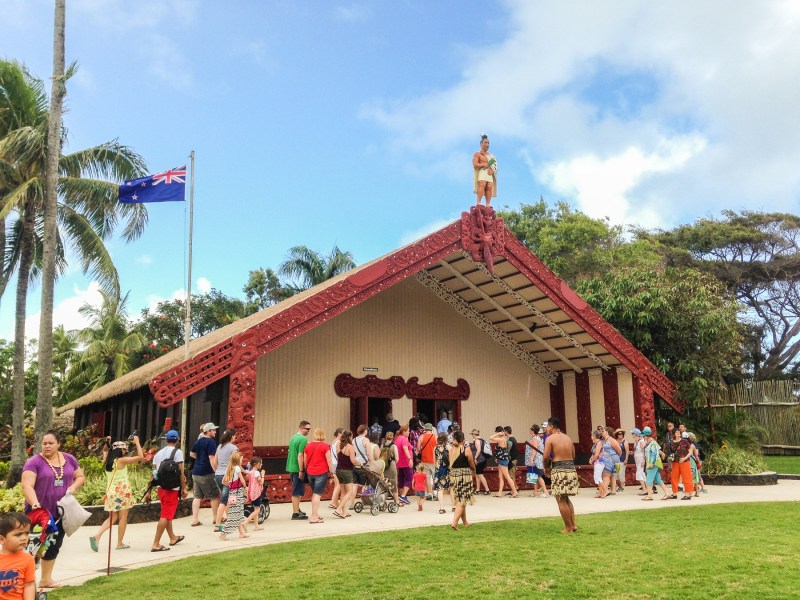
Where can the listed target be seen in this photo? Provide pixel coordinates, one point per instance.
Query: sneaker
(299, 516)
(704, 491)
(404, 500)
(619, 489)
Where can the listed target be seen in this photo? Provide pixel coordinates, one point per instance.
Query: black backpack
(168, 475)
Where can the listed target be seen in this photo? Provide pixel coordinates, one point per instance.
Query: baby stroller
(43, 531)
(263, 509)
(379, 498)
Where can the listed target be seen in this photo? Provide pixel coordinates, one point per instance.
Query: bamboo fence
(772, 404)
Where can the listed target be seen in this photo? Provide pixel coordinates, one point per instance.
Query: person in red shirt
(17, 569)
(420, 484)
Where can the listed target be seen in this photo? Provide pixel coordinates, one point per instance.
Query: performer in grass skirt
(462, 467)
(441, 478)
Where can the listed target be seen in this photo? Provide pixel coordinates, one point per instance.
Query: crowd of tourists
(610, 455)
(422, 459)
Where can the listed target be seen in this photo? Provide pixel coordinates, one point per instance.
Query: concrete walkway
(77, 563)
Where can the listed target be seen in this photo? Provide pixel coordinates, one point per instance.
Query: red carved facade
(483, 235)
(557, 405)
(584, 412)
(589, 319)
(643, 404)
(193, 375)
(611, 397)
(242, 407)
(370, 386)
(437, 390)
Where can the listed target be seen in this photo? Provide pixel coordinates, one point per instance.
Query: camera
(133, 435)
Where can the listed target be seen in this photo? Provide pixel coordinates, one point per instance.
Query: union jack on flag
(149, 188)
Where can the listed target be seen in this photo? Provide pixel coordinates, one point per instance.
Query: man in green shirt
(295, 466)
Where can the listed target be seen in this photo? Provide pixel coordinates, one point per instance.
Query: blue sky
(354, 123)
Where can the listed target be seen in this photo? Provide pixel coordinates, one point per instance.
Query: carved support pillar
(643, 403)
(242, 407)
(611, 398)
(584, 411)
(557, 406)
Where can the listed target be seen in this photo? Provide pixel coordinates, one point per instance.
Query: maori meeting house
(465, 319)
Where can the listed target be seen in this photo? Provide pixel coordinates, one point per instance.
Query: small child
(255, 487)
(17, 566)
(234, 478)
(419, 484)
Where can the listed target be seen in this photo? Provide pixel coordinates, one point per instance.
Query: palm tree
(87, 214)
(44, 395)
(65, 353)
(109, 343)
(310, 268)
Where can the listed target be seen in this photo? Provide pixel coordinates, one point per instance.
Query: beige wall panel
(627, 417)
(571, 406)
(407, 331)
(597, 397)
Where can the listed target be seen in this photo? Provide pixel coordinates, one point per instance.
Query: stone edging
(766, 478)
(140, 513)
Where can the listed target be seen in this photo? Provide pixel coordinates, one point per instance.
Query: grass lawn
(784, 464)
(722, 551)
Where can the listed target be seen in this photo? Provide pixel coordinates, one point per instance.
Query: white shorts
(598, 472)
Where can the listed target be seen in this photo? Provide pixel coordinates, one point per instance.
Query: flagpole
(188, 322)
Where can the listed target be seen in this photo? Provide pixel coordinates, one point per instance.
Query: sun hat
(647, 431)
(172, 436)
(428, 427)
(209, 427)
(616, 431)
(635, 431)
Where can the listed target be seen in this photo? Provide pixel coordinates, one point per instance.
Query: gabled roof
(476, 265)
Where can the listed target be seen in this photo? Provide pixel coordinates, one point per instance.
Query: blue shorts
(654, 476)
(318, 483)
(502, 463)
(225, 489)
(298, 487)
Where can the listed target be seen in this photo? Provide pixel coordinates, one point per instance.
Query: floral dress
(441, 480)
(118, 490)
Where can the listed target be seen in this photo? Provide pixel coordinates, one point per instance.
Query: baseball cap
(544, 424)
(209, 426)
(172, 436)
(635, 431)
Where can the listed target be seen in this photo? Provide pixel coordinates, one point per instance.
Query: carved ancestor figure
(484, 165)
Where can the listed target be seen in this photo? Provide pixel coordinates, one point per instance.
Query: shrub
(12, 500)
(91, 465)
(732, 460)
(4, 469)
(94, 488)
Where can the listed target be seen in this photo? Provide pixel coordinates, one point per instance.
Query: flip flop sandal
(159, 549)
(646, 499)
(93, 543)
(442, 511)
(336, 514)
(123, 547)
(193, 525)
(316, 522)
(179, 539)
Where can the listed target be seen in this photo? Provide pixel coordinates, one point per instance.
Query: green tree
(757, 257)
(574, 245)
(683, 320)
(263, 289)
(108, 345)
(65, 353)
(87, 213)
(162, 328)
(308, 268)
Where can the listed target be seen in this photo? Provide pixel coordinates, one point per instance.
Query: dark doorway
(363, 410)
(432, 409)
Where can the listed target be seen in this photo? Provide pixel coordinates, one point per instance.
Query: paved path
(77, 563)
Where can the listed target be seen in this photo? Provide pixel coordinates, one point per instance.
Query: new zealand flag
(169, 186)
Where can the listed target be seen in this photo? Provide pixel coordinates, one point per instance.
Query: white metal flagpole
(187, 327)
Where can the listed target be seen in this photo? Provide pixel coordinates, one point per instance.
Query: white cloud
(351, 13)
(66, 312)
(715, 126)
(203, 285)
(144, 260)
